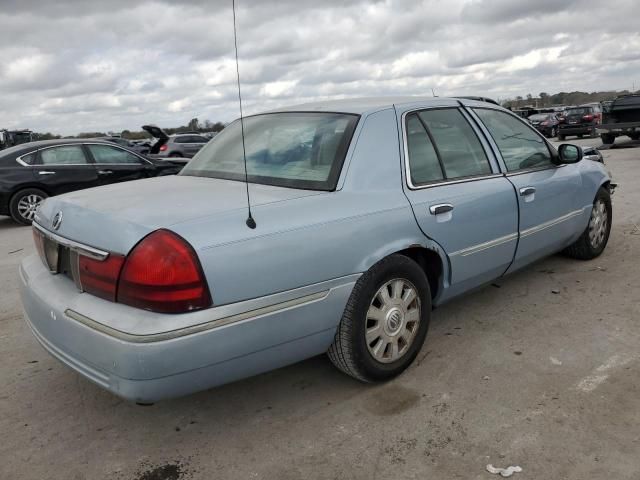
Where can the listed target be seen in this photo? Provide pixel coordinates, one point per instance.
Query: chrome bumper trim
(210, 325)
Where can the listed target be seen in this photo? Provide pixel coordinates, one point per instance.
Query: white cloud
(78, 65)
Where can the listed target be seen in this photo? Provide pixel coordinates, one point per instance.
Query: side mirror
(568, 153)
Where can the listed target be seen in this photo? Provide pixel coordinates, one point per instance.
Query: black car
(34, 171)
(545, 123)
(580, 121)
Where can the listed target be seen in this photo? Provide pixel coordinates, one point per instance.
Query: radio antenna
(251, 223)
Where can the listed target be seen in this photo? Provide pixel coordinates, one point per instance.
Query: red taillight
(100, 277)
(163, 148)
(162, 274)
(545, 123)
(588, 118)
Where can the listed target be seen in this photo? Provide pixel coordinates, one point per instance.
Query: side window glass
(520, 146)
(460, 150)
(65, 155)
(29, 159)
(106, 154)
(424, 166)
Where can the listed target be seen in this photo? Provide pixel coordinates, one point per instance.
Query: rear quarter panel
(312, 239)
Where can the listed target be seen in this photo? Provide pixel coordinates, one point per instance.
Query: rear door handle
(440, 208)
(104, 172)
(524, 191)
(46, 172)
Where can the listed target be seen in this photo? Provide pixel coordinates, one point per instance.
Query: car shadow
(7, 223)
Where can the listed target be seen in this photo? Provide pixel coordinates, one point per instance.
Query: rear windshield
(291, 149)
(579, 111)
(539, 117)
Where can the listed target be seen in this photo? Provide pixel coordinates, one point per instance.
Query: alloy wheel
(392, 321)
(28, 205)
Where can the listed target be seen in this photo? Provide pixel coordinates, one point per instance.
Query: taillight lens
(588, 118)
(163, 148)
(162, 274)
(100, 277)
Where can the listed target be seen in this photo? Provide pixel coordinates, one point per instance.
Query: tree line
(563, 98)
(194, 125)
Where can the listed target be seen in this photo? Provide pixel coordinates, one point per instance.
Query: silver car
(184, 145)
(364, 214)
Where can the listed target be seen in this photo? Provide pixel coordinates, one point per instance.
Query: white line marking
(591, 382)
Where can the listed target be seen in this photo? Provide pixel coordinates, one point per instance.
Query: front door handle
(440, 208)
(105, 172)
(46, 172)
(524, 191)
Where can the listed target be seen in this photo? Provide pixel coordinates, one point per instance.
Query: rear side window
(443, 146)
(64, 155)
(521, 147)
(424, 165)
(106, 154)
(29, 159)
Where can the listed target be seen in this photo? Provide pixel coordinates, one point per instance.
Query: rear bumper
(161, 364)
(575, 129)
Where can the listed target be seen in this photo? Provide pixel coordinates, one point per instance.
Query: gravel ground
(513, 374)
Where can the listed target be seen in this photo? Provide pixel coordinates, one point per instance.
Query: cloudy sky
(83, 65)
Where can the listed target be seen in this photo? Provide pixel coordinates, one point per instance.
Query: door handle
(440, 208)
(105, 172)
(46, 172)
(524, 191)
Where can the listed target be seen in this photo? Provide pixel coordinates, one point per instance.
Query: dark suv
(580, 121)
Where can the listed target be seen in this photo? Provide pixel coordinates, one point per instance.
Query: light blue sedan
(369, 213)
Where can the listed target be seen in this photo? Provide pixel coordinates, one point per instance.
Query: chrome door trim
(555, 221)
(72, 245)
(486, 245)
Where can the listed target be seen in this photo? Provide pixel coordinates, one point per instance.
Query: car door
(115, 164)
(548, 194)
(64, 168)
(459, 197)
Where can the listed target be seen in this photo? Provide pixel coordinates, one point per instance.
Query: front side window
(113, 155)
(289, 149)
(521, 147)
(64, 155)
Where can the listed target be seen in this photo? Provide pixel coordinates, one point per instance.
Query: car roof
(363, 105)
(31, 146)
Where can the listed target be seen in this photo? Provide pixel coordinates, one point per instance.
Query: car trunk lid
(157, 133)
(115, 217)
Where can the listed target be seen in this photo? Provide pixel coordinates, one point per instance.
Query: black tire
(584, 248)
(607, 138)
(593, 133)
(580, 135)
(349, 351)
(561, 137)
(554, 132)
(16, 208)
(634, 136)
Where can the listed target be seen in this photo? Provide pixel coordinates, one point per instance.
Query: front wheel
(25, 203)
(385, 321)
(554, 132)
(594, 239)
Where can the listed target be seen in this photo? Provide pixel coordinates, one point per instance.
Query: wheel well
(26, 187)
(431, 264)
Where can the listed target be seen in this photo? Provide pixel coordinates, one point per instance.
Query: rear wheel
(561, 137)
(580, 135)
(385, 321)
(25, 203)
(595, 237)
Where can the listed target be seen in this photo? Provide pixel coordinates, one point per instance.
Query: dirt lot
(513, 374)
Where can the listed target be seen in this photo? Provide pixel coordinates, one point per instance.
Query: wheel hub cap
(392, 320)
(28, 205)
(598, 224)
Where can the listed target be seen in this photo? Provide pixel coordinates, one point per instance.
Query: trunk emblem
(57, 221)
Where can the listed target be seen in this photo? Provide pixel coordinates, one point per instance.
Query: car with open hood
(333, 227)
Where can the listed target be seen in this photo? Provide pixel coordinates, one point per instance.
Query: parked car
(580, 121)
(123, 142)
(184, 145)
(369, 212)
(545, 123)
(31, 172)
